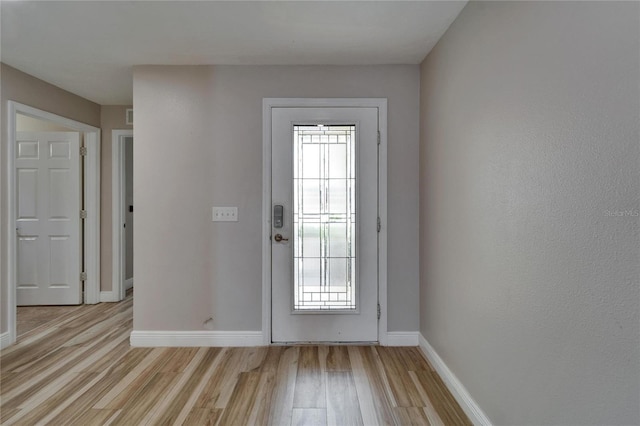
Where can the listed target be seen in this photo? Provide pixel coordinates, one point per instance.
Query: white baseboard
(459, 392)
(128, 284)
(402, 338)
(109, 296)
(206, 338)
(5, 339)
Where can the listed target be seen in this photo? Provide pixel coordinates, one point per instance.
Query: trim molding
(144, 338)
(92, 140)
(402, 338)
(118, 261)
(5, 339)
(460, 393)
(109, 296)
(128, 284)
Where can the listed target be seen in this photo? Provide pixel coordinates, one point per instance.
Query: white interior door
(325, 249)
(48, 218)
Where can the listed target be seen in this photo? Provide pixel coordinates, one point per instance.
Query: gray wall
(528, 163)
(24, 123)
(198, 143)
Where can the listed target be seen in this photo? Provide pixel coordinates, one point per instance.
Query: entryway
(53, 209)
(325, 219)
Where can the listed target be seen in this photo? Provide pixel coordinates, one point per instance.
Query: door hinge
(83, 276)
(83, 214)
(379, 225)
(378, 311)
(83, 151)
(378, 137)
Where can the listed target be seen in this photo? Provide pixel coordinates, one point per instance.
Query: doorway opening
(122, 213)
(41, 228)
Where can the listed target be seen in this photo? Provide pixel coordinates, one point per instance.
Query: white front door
(324, 244)
(48, 218)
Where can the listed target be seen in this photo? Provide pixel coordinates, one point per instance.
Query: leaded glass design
(324, 217)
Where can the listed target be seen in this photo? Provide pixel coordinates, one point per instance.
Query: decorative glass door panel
(324, 217)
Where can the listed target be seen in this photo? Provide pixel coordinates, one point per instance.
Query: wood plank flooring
(74, 366)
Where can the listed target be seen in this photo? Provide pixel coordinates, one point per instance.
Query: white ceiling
(89, 47)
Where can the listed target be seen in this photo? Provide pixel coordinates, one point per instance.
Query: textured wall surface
(529, 194)
(198, 143)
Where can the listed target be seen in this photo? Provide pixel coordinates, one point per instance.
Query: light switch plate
(224, 214)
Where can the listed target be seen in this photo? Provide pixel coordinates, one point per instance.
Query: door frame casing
(91, 189)
(267, 105)
(118, 193)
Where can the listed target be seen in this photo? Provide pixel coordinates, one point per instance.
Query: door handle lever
(279, 237)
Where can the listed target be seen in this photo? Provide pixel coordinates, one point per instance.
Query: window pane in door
(324, 217)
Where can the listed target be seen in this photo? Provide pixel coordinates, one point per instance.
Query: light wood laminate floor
(78, 368)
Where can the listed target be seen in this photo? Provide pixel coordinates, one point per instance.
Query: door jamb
(118, 289)
(91, 205)
(267, 105)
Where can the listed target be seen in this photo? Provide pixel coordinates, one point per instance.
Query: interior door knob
(279, 237)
